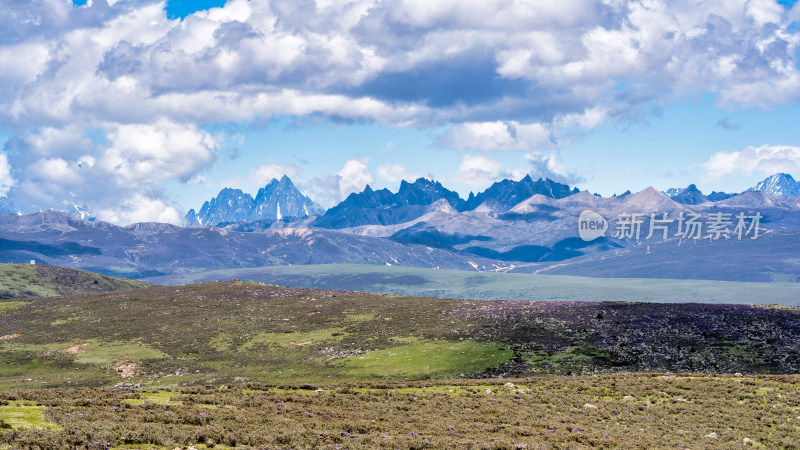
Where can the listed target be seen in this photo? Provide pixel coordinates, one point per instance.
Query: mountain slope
(696, 198)
(23, 280)
(543, 228)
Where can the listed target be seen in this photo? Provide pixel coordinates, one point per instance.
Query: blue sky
(143, 109)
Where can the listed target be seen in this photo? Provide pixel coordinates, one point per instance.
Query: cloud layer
(109, 100)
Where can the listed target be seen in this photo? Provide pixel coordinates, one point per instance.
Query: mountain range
(424, 224)
(282, 201)
(278, 200)
(382, 207)
(413, 199)
(779, 185)
(504, 194)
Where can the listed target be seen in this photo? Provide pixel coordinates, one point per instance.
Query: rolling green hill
(23, 281)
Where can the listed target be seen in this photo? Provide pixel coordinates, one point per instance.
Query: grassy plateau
(249, 365)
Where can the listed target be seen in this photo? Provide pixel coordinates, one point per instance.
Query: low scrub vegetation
(624, 410)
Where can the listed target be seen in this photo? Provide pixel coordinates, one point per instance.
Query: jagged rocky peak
(278, 200)
(672, 192)
(425, 192)
(382, 207)
(230, 205)
(690, 196)
(504, 195)
(281, 199)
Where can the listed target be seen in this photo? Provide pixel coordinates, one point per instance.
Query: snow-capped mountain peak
(779, 185)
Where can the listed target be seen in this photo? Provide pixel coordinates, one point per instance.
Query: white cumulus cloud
(397, 172)
(548, 165)
(481, 171)
(354, 176)
(767, 159)
(513, 135)
(329, 190)
(141, 208)
(154, 153)
(116, 181)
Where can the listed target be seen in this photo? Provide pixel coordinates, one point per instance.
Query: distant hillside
(152, 249)
(23, 280)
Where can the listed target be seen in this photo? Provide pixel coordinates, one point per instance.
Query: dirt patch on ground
(77, 348)
(10, 336)
(127, 370)
(299, 344)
